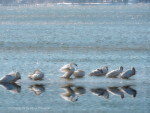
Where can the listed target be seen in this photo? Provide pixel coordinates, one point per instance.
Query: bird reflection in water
(128, 90)
(72, 92)
(38, 89)
(100, 92)
(117, 91)
(11, 87)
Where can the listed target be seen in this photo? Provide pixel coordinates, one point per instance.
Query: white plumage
(79, 73)
(36, 75)
(100, 71)
(114, 73)
(11, 77)
(68, 69)
(127, 74)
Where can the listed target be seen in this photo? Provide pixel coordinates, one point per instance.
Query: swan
(79, 73)
(100, 71)
(11, 77)
(127, 74)
(114, 73)
(100, 92)
(68, 69)
(115, 91)
(11, 87)
(128, 90)
(37, 88)
(36, 75)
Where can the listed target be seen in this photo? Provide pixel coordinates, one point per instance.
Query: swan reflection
(116, 91)
(72, 92)
(100, 92)
(128, 90)
(38, 89)
(11, 87)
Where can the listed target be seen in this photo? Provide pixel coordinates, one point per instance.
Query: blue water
(48, 36)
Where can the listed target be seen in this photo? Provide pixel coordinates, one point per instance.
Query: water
(48, 36)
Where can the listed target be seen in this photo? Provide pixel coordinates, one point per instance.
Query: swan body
(36, 75)
(68, 70)
(114, 73)
(127, 74)
(79, 73)
(11, 77)
(100, 71)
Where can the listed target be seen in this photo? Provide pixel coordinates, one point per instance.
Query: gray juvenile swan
(36, 75)
(68, 69)
(11, 77)
(114, 73)
(79, 73)
(100, 71)
(127, 74)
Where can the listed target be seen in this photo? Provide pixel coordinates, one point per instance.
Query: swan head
(74, 64)
(106, 67)
(121, 68)
(18, 75)
(133, 70)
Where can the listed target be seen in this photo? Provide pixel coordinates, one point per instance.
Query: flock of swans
(69, 70)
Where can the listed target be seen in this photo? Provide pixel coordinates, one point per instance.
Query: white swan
(114, 73)
(100, 71)
(37, 88)
(128, 90)
(100, 92)
(11, 77)
(36, 75)
(68, 69)
(127, 74)
(79, 73)
(115, 91)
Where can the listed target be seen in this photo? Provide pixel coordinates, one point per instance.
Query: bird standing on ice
(11, 77)
(127, 74)
(114, 73)
(68, 69)
(100, 71)
(36, 75)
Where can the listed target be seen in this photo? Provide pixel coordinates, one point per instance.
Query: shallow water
(47, 37)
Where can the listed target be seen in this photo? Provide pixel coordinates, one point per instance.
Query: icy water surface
(47, 37)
